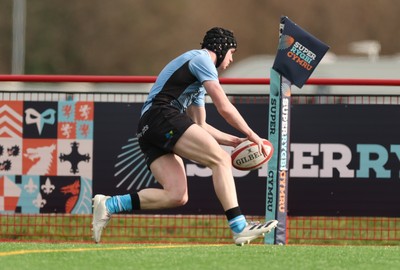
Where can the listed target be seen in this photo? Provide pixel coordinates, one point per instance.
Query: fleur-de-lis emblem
(39, 202)
(48, 187)
(30, 187)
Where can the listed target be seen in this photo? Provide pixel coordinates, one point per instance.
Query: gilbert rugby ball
(246, 156)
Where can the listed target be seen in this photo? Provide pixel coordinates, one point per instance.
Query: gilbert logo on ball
(246, 156)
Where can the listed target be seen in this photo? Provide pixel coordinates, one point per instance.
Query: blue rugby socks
(119, 203)
(237, 222)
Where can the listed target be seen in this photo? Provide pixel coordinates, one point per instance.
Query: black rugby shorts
(159, 129)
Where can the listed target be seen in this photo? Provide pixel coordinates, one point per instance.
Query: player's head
(219, 41)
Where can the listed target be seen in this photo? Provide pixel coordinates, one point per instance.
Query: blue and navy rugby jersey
(180, 83)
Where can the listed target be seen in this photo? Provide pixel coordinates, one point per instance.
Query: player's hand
(238, 141)
(256, 139)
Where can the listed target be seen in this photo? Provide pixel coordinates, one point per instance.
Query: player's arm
(230, 113)
(198, 115)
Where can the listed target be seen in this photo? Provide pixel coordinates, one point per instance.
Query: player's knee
(176, 202)
(183, 200)
(179, 199)
(218, 159)
(224, 159)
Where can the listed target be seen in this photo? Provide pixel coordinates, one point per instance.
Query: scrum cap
(219, 40)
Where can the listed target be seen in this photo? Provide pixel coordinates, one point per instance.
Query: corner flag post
(278, 166)
(298, 55)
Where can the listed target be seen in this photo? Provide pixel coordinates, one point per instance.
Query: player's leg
(196, 144)
(168, 170)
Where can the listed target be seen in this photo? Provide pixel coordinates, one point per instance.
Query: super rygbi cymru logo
(297, 52)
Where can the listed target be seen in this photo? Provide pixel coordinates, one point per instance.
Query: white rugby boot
(252, 231)
(101, 216)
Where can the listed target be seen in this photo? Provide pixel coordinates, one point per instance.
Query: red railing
(151, 79)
